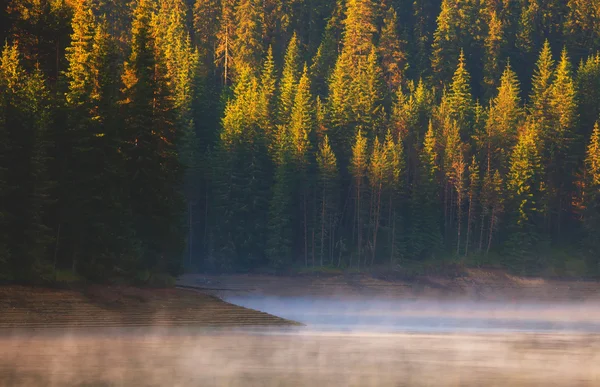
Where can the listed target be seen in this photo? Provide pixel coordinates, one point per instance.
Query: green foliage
(337, 133)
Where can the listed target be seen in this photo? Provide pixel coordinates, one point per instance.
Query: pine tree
(458, 28)
(247, 47)
(494, 44)
(540, 89)
(377, 176)
(588, 91)
(358, 169)
(525, 186)
(241, 179)
(394, 169)
(581, 26)
(25, 122)
(91, 197)
(289, 81)
(339, 106)
(328, 185)
(504, 117)
(280, 240)
(225, 37)
(591, 199)
(558, 158)
(359, 28)
(41, 28)
(324, 59)
(205, 14)
(181, 60)
(426, 238)
(460, 99)
(473, 193)
(393, 58)
(152, 161)
(301, 128)
(267, 100)
(366, 100)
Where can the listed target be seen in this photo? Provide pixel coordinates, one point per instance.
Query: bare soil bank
(103, 306)
(474, 284)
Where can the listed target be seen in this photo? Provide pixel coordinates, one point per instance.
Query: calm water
(346, 342)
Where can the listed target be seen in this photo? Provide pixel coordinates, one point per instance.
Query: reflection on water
(345, 343)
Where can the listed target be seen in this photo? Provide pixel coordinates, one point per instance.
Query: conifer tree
(205, 15)
(328, 185)
(393, 58)
(588, 91)
(540, 89)
(359, 28)
(25, 116)
(247, 47)
(225, 37)
(426, 236)
(358, 168)
(289, 81)
(91, 197)
(301, 128)
(152, 161)
(324, 60)
(492, 63)
(340, 108)
(504, 116)
(525, 185)
(267, 99)
(460, 99)
(473, 192)
(377, 177)
(591, 200)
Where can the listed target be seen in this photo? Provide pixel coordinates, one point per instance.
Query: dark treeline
(149, 135)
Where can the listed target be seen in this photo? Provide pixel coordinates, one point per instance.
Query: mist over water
(358, 341)
(387, 315)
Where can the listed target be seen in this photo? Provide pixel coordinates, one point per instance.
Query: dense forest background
(144, 136)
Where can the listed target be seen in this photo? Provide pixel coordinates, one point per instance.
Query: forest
(149, 136)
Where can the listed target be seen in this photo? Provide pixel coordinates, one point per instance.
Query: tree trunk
(377, 215)
(492, 226)
(459, 220)
(469, 220)
(323, 226)
(481, 232)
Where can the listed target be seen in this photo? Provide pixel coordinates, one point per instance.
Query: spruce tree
(205, 15)
(525, 186)
(591, 196)
(25, 120)
(391, 52)
(289, 81)
(152, 160)
(473, 192)
(460, 99)
(358, 169)
(328, 186)
(359, 28)
(247, 47)
(500, 129)
(226, 35)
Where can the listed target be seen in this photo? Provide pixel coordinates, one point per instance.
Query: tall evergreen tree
(358, 168)
(525, 185)
(359, 28)
(391, 52)
(328, 186)
(152, 161)
(26, 187)
(289, 81)
(247, 47)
